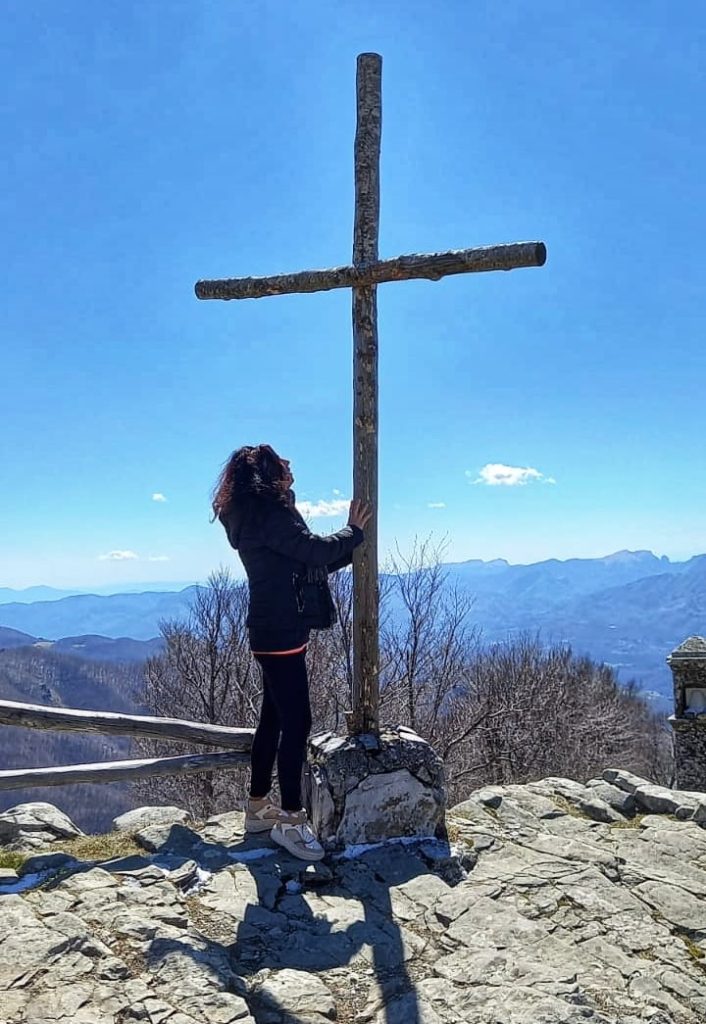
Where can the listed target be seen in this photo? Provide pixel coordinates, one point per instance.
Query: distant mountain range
(29, 595)
(7, 594)
(628, 609)
(119, 615)
(121, 649)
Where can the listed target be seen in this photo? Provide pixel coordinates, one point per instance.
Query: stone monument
(374, 786)
(688, 665)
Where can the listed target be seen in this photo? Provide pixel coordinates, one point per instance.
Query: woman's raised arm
(285, 533)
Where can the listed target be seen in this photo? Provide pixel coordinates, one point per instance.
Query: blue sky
(148, 145)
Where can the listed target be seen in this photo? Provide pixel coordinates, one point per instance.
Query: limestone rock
(583, 798)
(653, 799)
(678, 907)
(170, 837)
(143, 817)
(599, 810)
(623, 780)
(32, 826)
(294, 995)
(615, 797)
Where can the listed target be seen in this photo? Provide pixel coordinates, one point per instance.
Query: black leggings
(285, 722)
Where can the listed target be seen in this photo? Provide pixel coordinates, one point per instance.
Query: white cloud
(319, 509)
(436, 504)
(336, 491)
(158, 497)
(495, 474)
(158, 558)
(118, 556)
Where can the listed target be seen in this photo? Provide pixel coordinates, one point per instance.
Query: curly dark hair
(253, 471)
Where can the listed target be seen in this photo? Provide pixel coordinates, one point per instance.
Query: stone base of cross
(399, 788)
(365, 273)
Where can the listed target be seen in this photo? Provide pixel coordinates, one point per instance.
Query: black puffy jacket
(274, 542)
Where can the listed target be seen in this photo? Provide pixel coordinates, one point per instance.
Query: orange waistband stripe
(295, 650)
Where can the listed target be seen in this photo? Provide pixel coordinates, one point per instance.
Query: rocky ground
(552, 903)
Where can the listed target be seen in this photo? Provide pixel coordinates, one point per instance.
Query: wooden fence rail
(122, 771)
(39, 716)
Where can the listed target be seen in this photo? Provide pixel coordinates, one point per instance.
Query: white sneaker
(294, 833)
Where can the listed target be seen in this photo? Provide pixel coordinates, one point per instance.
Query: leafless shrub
(330, 661)
(531, 711)
(206, 674)
(426, 642)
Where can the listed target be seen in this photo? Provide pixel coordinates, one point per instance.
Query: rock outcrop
(32, 826)
(551, 902)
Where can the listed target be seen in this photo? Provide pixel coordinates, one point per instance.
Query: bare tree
(426, 640)
(205, 674)
(532, 711)
(330, 661)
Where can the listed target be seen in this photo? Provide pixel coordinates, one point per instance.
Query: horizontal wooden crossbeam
(38, 716)
(122, 771)
(429, 266)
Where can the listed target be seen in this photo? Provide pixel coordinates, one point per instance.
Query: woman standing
(254, 502)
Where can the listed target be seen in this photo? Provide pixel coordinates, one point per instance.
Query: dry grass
(629, 822)
(646, 954)
(98, 847)
(12, 860)
(568, 808)
(217, 927)
(133, 957)
(454, 833)
(567, 903)
(695, 952)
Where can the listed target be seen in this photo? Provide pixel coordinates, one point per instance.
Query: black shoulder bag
(314, 601)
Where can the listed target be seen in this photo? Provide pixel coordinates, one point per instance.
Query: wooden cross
(363, 276)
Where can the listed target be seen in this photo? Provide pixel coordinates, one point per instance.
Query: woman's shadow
(336, 919)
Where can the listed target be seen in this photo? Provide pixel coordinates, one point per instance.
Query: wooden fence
(39, 716)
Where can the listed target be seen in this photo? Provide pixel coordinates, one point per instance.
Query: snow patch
(202, 876)
(358, 849)
(246, 855)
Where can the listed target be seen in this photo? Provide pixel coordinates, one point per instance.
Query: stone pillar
(688, 665)
(368, 788)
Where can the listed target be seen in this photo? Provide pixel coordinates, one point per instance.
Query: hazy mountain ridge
(134, 615)
(123, 649)
(14, 638)
(106, 648)
(629, 609)
(554, 580)
(30, 595)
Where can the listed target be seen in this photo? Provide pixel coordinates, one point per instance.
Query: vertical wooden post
(366, 654)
